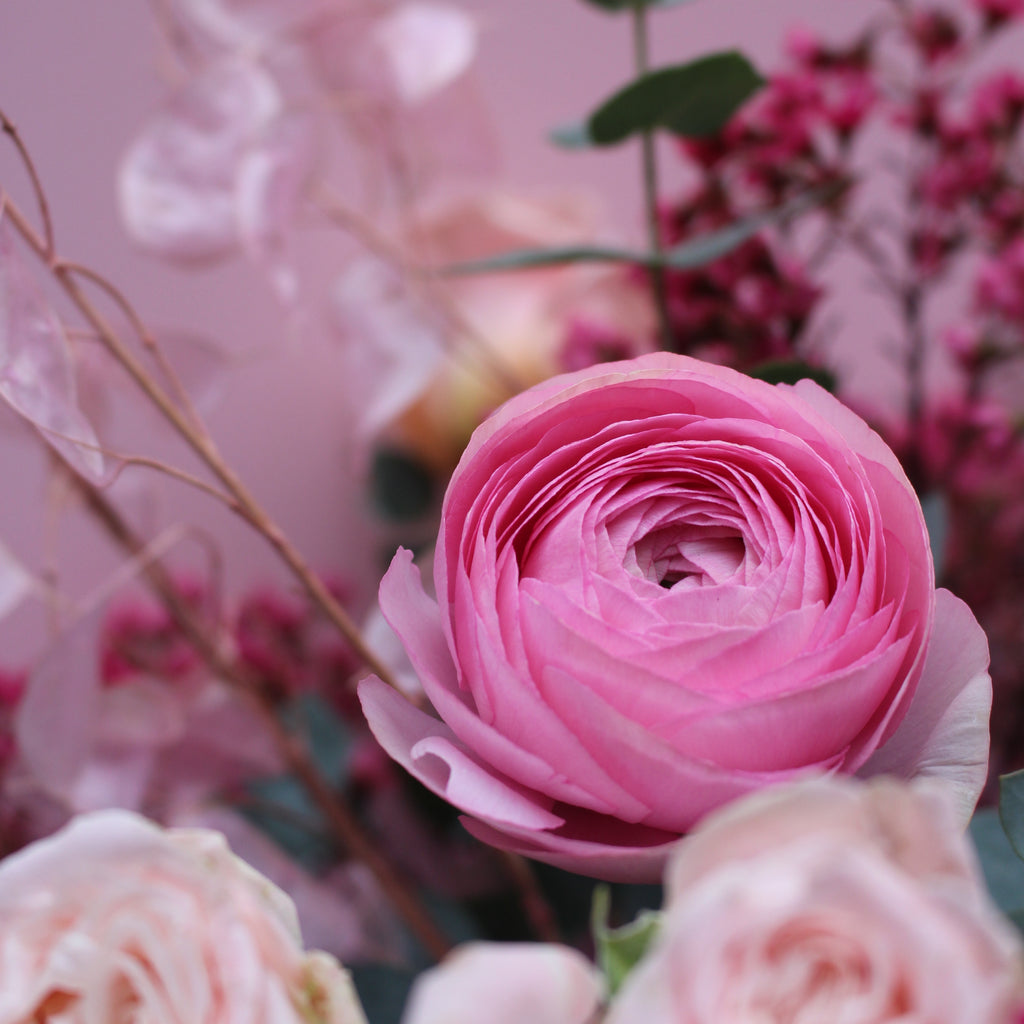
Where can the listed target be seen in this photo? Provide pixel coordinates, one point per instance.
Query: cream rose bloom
(830, 902)
(114, 920)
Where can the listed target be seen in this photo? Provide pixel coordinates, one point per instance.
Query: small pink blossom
(995, 13)
(936, 34)
(1000, 283)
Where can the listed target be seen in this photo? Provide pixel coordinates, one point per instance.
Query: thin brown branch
(145, 336)
(9, 129)
(203, 446)
(172, 471)
(344, 826)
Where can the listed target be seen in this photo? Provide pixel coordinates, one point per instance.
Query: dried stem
(149, 342)
(202, 444)
(649, 164)
(344, 826)
(9, 129)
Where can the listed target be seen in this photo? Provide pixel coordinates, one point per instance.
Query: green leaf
(688, 255)
(1011, 810)
(619, 949)
(1002, 868)
(625, 5)
(529, 259)
(694, 253)
(324, 733)
(693, 99)
(281, 809)
(789, 371)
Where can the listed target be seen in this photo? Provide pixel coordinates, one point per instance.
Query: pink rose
(827, 902)
(508, 984)
(662, 585)
(115, 919)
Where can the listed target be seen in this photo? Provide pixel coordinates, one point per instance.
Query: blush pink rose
(828, 901)
(662, 585)
(494, 983)
(115, 919)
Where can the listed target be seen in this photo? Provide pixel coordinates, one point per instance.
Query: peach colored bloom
(828, 902)
(114, 919)
(507, 984)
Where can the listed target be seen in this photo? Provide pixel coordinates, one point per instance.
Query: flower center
(684, 555)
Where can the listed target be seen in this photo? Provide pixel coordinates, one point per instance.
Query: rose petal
(507, 984)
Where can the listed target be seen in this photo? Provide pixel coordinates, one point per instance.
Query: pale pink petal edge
(945, 734)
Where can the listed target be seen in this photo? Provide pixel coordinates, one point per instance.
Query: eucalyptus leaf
(688, 255)
(693, 100)
(281, 808)
(620, 949)
(1011, 810)
(1002, 868)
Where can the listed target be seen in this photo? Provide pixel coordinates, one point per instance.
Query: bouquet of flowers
(702, 555)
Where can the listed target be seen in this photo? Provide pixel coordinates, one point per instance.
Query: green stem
(659, 281)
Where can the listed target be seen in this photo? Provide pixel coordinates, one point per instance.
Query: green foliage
(280, 806)
(619, 949)
(693, 100)
(1002, 867)
(688, 255)
(1011, 811)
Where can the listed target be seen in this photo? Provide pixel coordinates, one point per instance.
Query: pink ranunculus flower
(661, 585)
(828, 901)
(115, 919)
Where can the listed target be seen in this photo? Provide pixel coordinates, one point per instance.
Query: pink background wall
(78, 78)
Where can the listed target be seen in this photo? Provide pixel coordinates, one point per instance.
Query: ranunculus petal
(945, 732)
(429, 750)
